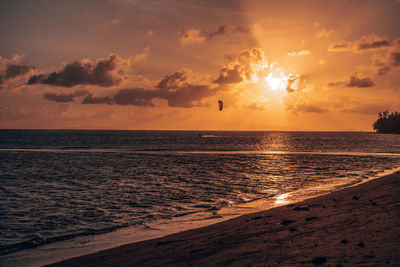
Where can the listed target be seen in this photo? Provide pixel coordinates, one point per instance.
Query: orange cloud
(300, 53)
(324, 33)
(340, 46)
(143, 55)
(191, 36)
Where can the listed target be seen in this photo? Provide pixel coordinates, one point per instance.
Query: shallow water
(59, 185)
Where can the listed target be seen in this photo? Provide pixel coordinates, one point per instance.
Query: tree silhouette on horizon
(387, 122)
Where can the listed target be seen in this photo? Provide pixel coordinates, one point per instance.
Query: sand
(357, 225)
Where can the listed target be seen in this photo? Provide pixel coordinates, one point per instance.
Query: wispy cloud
(143, 55)
(195, 35)
(364, 44)
(323, 33)
(354, 80)
(300, 53)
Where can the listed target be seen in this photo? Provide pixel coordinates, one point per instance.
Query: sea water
(60, 186)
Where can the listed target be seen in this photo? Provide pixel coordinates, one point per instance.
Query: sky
(164, 64)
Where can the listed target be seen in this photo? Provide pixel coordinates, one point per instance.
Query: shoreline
(359, 224)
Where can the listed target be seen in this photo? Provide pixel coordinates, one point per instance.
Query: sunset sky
(164, 64)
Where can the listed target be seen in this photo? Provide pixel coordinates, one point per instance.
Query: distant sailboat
(221, 105)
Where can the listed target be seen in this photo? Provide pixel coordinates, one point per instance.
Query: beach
(356, 225)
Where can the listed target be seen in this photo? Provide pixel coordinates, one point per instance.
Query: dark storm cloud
(354, 81)
(106, 72)
(63, 98)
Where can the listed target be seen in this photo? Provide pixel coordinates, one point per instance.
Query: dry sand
(355, 226)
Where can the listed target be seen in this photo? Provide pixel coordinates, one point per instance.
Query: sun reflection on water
(282, 199)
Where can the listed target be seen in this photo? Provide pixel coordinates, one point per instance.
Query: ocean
(66, 189)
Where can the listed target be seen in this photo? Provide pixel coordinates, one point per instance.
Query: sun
(277, 81)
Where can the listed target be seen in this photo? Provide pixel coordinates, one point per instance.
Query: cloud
(183, 88)
(340, 46)
(134, 97)
(395, 56)
(371, 42)
(229, 75)
(143, 55)
(90, 99)
(220, 31)
(365, 43)
(115, 21)
(324, 33)
(381, 66)
(194, 35)
(191, 36)
(292, 83)
(384, 65)
(150, 33)
(395, 53)
(354, 81)
(242, 69)
(105, 72)
(300, 53)
(11, 69)
(64, 98)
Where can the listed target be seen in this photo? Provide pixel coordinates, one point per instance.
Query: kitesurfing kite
(221, 105)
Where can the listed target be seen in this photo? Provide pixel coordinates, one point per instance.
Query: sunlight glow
(277, 81)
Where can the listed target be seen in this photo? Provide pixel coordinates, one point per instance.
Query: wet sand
(356, 225)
